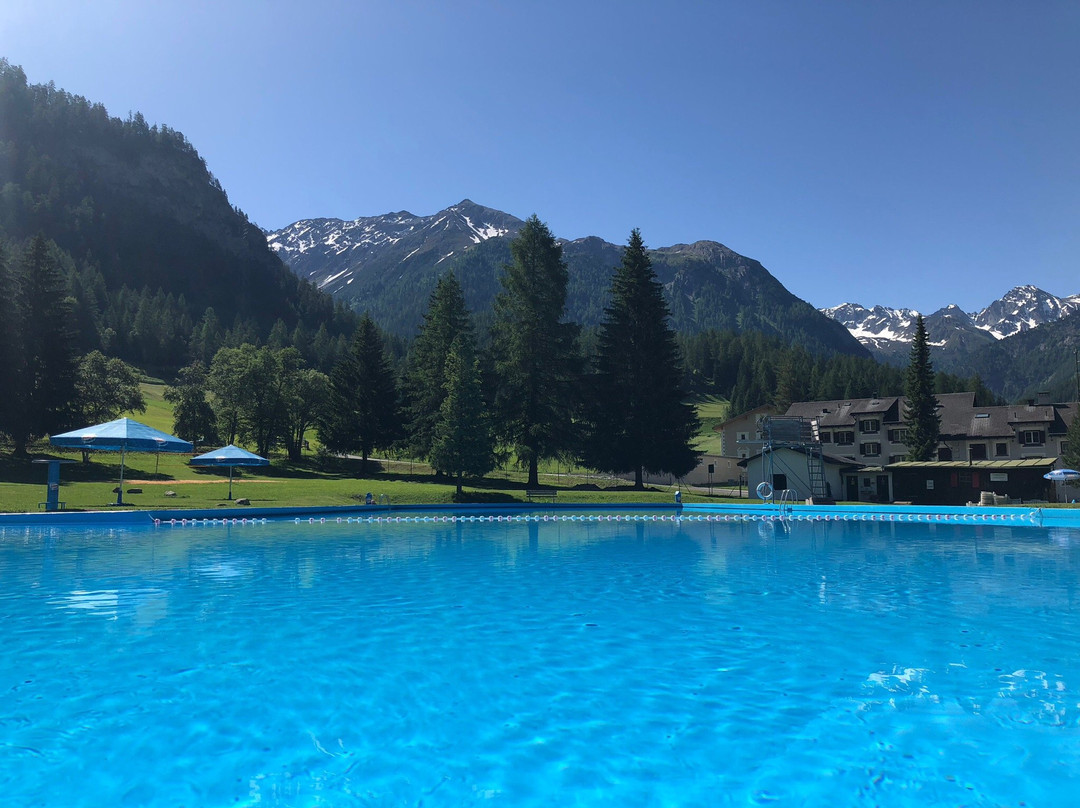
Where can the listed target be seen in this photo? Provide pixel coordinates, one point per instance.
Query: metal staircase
(793, 432)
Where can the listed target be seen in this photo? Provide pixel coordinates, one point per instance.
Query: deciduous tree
(106, 387)
(193, 417)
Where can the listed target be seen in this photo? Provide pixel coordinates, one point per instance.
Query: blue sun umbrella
(1062, 475)
(230, 456)
(122, 435)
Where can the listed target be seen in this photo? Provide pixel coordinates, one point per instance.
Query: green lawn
(311, 482)
(159, 413)
(89, 486)
(711, 411)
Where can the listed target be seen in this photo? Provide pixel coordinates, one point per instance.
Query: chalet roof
(835, 460)
(992, 465)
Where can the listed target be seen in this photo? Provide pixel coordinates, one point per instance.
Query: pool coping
(1030, 515)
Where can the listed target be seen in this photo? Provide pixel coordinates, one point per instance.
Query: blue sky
(903, 153)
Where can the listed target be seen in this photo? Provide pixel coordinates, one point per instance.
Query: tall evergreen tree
(535, 354)
(461, 443)
(8, 338)
(639, 420)
(42, 387)
(921, 409)
(362, 411)
(446, 320)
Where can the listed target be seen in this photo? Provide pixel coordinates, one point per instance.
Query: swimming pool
(540, 661)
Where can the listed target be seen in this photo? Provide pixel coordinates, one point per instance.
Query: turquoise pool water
(569, 662)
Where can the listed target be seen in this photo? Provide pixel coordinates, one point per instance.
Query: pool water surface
(668, 663)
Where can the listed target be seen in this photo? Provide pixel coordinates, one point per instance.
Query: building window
(897, 436)
(1064, 446)
(977, 451)
(744, 436)
(1001, 450)
(897, 458)
(845, 438)
(870, 449)
(1032, 437)
(826, 437)
(870, 425)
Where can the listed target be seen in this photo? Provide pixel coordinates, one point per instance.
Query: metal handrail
(384, 499)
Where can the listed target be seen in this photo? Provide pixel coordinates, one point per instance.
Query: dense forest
(159, 266)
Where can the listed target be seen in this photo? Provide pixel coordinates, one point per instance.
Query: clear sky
(912, 153)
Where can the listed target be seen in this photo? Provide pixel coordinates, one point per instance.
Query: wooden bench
(542, 493)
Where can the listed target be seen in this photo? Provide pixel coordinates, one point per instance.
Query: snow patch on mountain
(887, 330)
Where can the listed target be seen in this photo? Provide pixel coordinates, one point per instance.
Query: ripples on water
(539, 664)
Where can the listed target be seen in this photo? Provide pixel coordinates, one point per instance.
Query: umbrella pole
(120, 489)
(230, 482)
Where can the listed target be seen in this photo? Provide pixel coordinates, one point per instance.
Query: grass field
(711, 411)
(310, 482)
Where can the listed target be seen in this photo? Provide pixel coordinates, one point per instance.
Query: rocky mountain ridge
(388, 264)
(888, 332)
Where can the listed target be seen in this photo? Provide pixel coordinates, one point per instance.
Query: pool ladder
(785, 499)
(384, 499)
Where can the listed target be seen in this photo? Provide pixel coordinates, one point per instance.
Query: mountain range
(388, 264)
(954, 333)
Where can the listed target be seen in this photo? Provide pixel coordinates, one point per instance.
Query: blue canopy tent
(122, 435)
(230, 456)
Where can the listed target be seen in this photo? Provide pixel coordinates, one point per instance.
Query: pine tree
(461, 442)
(446, 320)
(639, 421)
(535, 353)
(921, 409)
(8, 338)
(362, 410)
(42, 387)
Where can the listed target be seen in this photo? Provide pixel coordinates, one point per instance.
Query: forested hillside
(155, 256)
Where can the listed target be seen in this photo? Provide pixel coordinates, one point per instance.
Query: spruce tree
(639, 421)
(42, 388)
(461, 443)
(362, 410)
(535, 354)
(8, 338)
(446, 320)
(921, 408)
